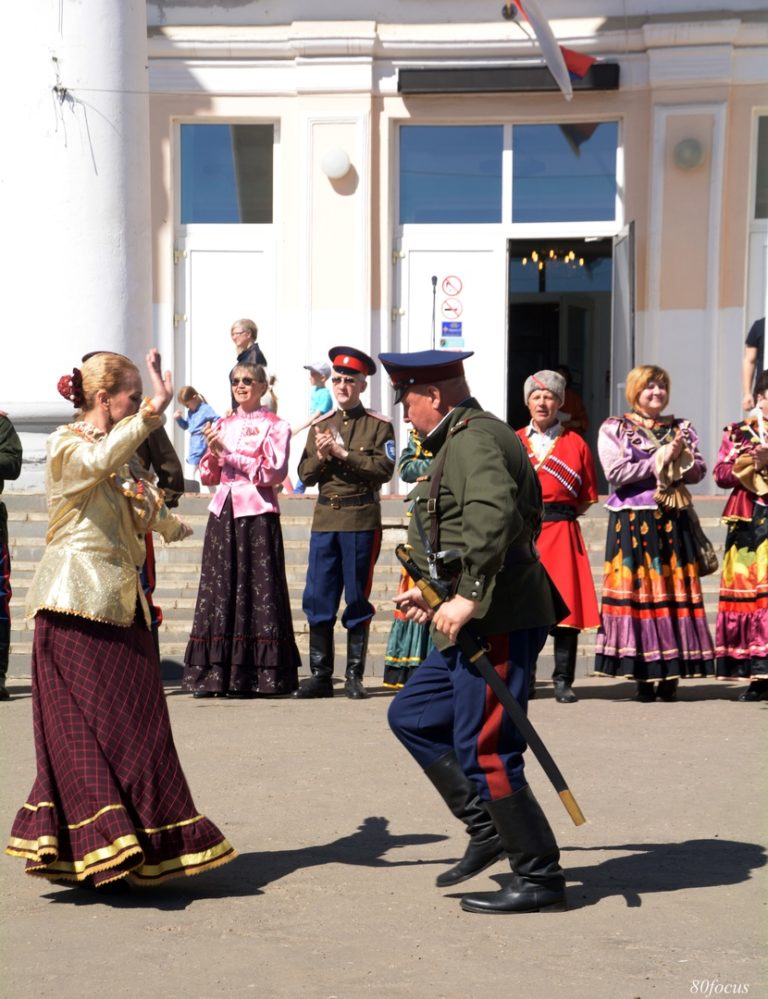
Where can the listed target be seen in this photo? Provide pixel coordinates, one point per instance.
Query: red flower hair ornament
(71, 387)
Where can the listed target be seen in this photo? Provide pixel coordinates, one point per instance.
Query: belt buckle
(335, 501)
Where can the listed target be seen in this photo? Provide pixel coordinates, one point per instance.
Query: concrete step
(178, 568)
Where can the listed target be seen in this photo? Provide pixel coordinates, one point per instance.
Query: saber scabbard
(435, 594)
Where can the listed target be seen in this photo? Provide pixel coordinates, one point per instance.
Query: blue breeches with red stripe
(446, 705)
(340, 561)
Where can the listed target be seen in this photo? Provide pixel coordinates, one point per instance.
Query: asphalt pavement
(340, 838)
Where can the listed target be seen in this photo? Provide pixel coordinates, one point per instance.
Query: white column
(74, 196)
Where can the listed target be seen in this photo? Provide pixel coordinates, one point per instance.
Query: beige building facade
(418, 180)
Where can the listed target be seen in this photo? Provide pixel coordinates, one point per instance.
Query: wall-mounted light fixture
(335, 163)
(688, 154)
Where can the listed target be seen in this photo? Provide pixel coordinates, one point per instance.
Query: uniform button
(474, 593)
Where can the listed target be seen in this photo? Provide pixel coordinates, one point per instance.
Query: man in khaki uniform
(475, 519)
(350, 454)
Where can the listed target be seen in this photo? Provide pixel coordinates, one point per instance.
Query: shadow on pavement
(656, 867)
(249, 873)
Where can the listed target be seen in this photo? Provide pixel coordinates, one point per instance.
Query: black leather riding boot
(459, 794)
(357, 647)
(566, 644)
(539, 883)
(320, 663)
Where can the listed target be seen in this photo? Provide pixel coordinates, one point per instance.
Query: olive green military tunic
(489, 510)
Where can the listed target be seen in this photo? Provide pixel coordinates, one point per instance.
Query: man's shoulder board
(379, 416)
(321, 417)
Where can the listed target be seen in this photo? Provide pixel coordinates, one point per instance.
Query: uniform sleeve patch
(389, 447)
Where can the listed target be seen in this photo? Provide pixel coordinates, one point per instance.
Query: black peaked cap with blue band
(423, 367)
(350, 361)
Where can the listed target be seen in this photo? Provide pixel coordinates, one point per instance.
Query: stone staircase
(178, 570)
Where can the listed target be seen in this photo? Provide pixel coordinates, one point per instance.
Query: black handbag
(706, 556)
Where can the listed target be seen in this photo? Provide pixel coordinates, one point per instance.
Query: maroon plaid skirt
(110, 799)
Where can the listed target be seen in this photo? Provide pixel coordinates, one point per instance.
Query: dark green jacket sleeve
(10, 451)
(158, 454)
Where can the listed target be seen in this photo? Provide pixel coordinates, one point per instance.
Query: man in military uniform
(474, 522)
(350, 453)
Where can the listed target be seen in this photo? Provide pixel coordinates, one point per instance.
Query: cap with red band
(350, 361)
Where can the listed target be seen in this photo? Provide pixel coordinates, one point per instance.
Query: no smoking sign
(451, 308)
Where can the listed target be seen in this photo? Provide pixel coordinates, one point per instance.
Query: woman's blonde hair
(105, 371)
(639, 377)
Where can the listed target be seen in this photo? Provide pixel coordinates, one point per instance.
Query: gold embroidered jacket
(99, 511)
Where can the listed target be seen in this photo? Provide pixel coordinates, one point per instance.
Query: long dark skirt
(654, 625)
(242, 634)
(110, 799)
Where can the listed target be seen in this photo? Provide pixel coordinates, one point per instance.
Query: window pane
(564, 173)
(450, 173)
(761, 186)
(226, 173)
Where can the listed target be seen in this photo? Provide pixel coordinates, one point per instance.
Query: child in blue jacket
(199, 412)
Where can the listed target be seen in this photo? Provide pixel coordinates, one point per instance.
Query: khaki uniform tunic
(370, 441)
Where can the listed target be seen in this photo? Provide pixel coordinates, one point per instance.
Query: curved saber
(553, 57)
(435, 592)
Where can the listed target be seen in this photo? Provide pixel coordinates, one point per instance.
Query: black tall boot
(320, 663)
(459, 794)
(357, 648)
(566, 644)
(539, 883)
(5, 650)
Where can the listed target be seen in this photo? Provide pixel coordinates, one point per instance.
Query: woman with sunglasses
(242, 642)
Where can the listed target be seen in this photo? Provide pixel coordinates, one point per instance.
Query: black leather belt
(558, 511)
(338, 502)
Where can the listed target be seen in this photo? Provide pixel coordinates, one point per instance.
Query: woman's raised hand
(161, 385)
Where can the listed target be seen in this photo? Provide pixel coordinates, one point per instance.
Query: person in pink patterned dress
(242, 642)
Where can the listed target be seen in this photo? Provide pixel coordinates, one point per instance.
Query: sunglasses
(242, 381)
(343, 379)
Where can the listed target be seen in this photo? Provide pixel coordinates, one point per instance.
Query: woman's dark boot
(357, 648)
(566, 645)
(539, 882)
(459, 794)
(667, 690)
(320, 663)
(645, 692)
(756, 691)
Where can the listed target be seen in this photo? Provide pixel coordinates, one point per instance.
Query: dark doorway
(560, 314)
